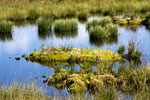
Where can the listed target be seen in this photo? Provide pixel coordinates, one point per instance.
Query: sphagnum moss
(73, 55)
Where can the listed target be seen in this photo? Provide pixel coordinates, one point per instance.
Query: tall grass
(97, 32)
(103, 22)
(83, 15)
(18, 92)
(33, 14)
(93, 23)
(102, 29)
(44, 25)
(67, 8)
(66, 25)
(17, 15)
(5, 26)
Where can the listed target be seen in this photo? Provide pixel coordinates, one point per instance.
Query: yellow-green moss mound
(79, 82)
(73, 55)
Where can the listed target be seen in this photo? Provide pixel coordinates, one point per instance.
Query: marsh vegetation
(73, 49)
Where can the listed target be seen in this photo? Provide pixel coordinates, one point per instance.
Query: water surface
(26, 39)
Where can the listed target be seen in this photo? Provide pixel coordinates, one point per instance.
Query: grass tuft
(83, 15)
(18, 92)
(33, 14)
(44, 25)
(5, 26)
(67, 25)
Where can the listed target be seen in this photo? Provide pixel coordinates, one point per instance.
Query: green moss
(61, 75)
(95, 84)
(134, 22)
(123, 22)
(58, 79)
(74, 55)
(60, 85)
(72, 78)
(77, 86)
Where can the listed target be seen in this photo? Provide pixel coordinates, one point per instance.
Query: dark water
(26, 39)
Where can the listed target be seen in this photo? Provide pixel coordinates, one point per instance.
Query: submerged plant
(5, 26)
(66, 25)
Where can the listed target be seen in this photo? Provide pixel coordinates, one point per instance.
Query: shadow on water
(6, 37)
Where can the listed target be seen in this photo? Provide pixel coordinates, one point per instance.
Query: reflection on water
(133, 28)
(26, 39)
(44, 35)
(101, 42)
(6, 37)
(66, 34)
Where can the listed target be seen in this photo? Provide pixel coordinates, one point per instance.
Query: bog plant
(18, 92)
(5, 26)
(100, 32)
(121, 49)
(97, 32)
(44, 25)
(83, 15)
(93, 23)
(17, 15)
(105, 20)
(66, 25)
(102, 29)
(33, 14)
(133, 53)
